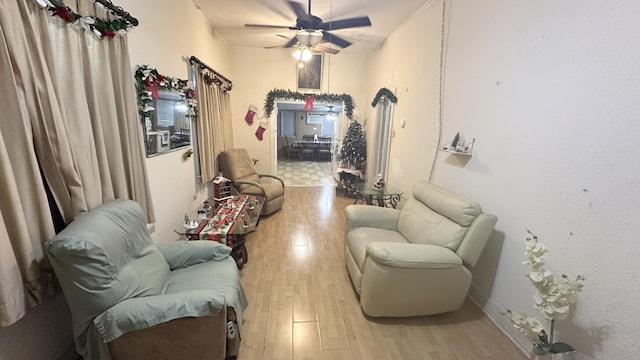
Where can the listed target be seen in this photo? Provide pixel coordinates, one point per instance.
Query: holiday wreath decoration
(100, 27)
(149, 82)
(386, 93)
(323, 97)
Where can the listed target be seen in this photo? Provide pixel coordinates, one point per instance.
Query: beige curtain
(215, 129)
(69, 113)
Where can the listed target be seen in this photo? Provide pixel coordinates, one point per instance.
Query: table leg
(239, 251)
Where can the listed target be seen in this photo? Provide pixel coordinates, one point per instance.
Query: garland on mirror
(100, 27)
(274, 94)
(149, 81)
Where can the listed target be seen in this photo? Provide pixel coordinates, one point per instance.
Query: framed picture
(310, 76)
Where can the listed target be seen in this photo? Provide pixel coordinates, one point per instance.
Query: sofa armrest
(237, 184)
(272, 177)
(371, 216)
(415, 256)
(186, 253)
(146, 311)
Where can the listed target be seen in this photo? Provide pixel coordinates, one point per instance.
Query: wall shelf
(465, 149)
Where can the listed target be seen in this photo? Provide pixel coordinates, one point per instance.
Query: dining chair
(291, 151)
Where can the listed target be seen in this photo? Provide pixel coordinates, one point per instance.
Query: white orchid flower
(97, 32)
(84, 23)
(44, 3)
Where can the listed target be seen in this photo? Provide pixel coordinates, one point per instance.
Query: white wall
(408, 65)
(169, 33)
(258, 71)
(549, 90)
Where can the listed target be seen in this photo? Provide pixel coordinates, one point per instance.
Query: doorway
(306, 143)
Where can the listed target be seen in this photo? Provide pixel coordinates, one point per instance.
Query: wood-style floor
(302, 304)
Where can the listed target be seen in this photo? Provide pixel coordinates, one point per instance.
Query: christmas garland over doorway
(274, 94)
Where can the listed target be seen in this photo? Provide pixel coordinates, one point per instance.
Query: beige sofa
(414, 261)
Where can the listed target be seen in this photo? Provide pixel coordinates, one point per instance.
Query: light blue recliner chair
(132, 299)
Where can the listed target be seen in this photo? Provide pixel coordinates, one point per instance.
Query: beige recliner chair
(414, 261)
(237, 166)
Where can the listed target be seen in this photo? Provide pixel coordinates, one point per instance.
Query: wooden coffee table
(227, 222)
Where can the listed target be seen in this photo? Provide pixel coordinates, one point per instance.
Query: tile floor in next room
(305, 173)
(302, 304)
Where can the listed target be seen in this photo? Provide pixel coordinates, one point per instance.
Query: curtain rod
(117, 10)
(194, 59)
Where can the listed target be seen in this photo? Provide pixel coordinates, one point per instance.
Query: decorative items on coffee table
(221, 189)
(228, 222)
(381, 195)
(553, 300)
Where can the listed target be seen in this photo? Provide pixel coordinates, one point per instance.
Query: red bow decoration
(309, 99)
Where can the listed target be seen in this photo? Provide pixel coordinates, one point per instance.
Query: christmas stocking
(261, 128)
(251, 112)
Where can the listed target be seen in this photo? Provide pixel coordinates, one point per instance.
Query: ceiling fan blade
(346, 23)
(325, 49)
(291, 42)
(335, 39)
(297, 8)
(268, 26)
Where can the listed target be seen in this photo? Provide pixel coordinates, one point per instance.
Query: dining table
(314, 146)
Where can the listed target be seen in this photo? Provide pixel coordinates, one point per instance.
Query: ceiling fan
(326, 110)
(310, 29)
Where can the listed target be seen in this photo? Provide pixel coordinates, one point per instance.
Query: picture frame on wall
(310, 75)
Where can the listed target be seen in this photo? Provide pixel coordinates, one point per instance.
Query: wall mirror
(166, 106)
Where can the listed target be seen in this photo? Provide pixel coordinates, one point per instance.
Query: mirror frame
(148, 85)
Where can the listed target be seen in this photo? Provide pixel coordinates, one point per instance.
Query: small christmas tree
(354, 148)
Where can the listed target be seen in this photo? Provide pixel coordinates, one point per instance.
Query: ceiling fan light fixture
(308, 37)
(302, 54)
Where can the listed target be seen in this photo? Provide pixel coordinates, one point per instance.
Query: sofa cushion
(451, 205)
(220, 276)
(186, 253)
(358, 239)
(236, 164)
(247, 188)
(435, 216)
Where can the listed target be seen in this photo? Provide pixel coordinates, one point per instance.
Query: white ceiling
(229, 17)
